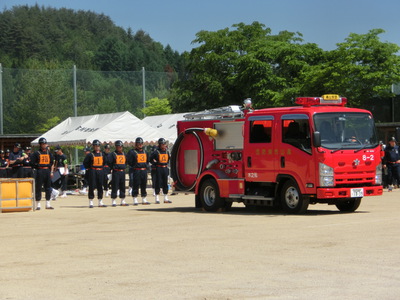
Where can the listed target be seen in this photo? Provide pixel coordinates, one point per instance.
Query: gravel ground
(174, 251)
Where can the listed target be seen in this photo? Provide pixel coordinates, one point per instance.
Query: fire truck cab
(318, 152)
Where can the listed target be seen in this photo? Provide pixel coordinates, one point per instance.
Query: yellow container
(16, 195)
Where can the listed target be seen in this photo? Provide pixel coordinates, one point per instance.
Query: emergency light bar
(329, 99)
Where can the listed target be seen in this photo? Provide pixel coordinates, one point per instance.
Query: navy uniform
(392, 162)
(118, 166)
(3, 164)
(107, 170)
(27, 166)
(42, 161)
(153, 172)
(160, 157)
(138, 161)
(94, 164)
(16, 161)
(61, 166)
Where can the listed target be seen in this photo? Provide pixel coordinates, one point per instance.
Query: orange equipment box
(16, 194)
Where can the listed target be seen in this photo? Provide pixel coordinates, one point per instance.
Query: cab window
(260, 131)
(296, 132)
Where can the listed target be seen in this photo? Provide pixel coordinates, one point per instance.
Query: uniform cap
(118, 143)
(86, 149)
(58, 148)
(28, 148)
(392, 139)
(1, 151)
(162, 141)
(8, 151)
(17, 145)
(139, 140)
(107, 146)
(42, 140)
(96, 143)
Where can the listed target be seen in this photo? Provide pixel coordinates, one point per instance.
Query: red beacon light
(328, 99)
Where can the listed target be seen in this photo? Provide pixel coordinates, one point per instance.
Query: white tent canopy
(166, 124)
(105, 127)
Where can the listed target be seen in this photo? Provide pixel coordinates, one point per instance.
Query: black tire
(349, 205)
(209, 196)
(227, 205)
(292, 201)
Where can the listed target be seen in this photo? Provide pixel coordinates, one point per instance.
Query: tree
(112, 55)
(362, 68)
(157, 106)
(30, 107)
(231, 65)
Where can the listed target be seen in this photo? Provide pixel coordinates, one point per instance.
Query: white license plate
(355, 193)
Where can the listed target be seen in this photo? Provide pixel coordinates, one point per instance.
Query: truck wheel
(349, 205)
(209, 196)
(292, 200)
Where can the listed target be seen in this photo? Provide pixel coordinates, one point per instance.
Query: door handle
(282, 161)
(249, 161)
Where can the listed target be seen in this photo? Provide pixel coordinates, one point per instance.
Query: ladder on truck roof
(231, 111)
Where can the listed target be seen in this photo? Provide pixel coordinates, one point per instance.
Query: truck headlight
(326, 177)
(378, 174)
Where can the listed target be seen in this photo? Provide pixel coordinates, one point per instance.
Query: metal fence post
(144, 88)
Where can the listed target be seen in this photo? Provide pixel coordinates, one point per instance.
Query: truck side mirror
(317, 139)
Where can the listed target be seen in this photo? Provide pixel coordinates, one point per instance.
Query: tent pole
(75, 112)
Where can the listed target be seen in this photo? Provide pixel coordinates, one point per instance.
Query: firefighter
(42, 161)
(107, 170)
(392, 162)
(27, 166)
(3, 164)
(161, 158)
(61, 165)
(94, 164)
(138, 161)
(16, 161)
(118, 166)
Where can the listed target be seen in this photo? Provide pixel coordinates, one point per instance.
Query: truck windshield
(346, 131)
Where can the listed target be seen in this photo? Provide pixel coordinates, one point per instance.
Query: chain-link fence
(35, 100)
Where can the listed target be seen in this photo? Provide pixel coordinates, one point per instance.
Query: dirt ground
(174, 251)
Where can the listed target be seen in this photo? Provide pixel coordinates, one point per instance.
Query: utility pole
(75, 112)
(144, 88)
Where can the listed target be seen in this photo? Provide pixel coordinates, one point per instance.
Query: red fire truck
(318, 152)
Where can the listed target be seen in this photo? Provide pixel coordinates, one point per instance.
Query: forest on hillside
(89, 40)
(39, 47)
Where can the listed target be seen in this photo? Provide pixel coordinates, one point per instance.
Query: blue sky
(176, 22)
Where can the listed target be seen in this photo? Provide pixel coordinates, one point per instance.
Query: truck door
(295, 155)
(259, 154)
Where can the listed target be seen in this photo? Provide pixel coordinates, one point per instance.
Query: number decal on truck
(368, 157)
(252, 175)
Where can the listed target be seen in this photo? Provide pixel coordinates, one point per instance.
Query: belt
(105, 166)
(28, 167)
(392, 162)
(3, 168)
(162, 166)
(43, 168)
(97, 169)
(119, 170)
(140, 169)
